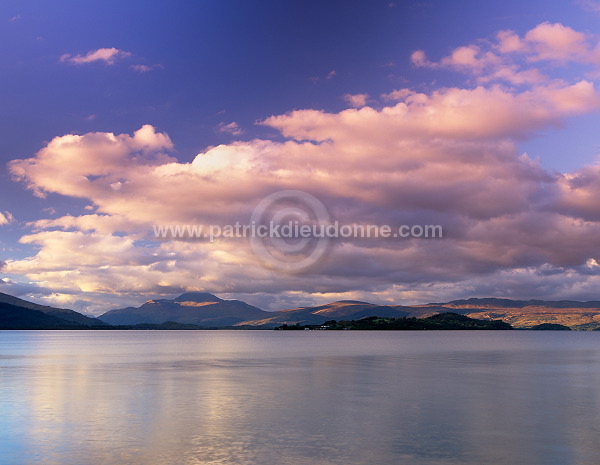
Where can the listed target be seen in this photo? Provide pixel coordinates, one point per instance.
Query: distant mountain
(197, 308)
(15, 317)
(62, 313)
(527, 313)
(492, 302)
(519, 313)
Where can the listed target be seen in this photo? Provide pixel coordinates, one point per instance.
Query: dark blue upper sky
(225, 60)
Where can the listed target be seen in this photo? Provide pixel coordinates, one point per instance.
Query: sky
(477, 116)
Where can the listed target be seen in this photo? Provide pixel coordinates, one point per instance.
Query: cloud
(448, 156)
(356, 100)
(6, 218)
(71, 160)
(555, 42)
(419, 58)
(329, 76)
(481, 112)
(141, 68)
(107, 55)
(145, 68)
(230, 128)
(507, 58)
(590, 5)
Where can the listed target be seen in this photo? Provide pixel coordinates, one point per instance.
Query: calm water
(263, 397)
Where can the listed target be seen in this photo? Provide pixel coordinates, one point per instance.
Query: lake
(306, 397)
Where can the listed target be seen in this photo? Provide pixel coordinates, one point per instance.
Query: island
(442, 321)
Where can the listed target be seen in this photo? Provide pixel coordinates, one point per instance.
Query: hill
(15, 317)
(550, 327)
(62, 313)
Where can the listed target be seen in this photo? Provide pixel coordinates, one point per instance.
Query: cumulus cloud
(106, 55)
(71, 165)
(448, 156)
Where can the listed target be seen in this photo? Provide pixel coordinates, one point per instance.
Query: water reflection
(98, 398)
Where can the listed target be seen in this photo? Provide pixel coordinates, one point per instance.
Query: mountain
(209, 311)
(62, 313)
(15, 317)
(198, 308)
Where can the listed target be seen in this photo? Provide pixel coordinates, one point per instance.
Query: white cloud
(106, 55)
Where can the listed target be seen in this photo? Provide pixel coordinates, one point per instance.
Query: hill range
(209, 311)
(518, 313)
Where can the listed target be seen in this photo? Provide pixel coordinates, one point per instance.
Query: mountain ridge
(215, 312)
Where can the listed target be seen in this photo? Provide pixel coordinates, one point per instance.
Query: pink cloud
(556, 42)
(505, 58)
(6, 218)
(481, 112)
(106, 55)
(230, 128)
(356, 100)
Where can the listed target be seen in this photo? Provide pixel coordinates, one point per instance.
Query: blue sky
(226, 60)
(191, 68)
